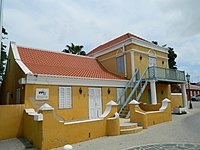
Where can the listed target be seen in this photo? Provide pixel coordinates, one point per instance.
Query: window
(65, 97)
(18, 96)
(120, 64)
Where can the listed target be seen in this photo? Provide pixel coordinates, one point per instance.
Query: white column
(132, 62)
(125, 69)
(184, 95)
(153, 92)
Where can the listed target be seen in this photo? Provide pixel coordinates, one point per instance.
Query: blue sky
(52, 24)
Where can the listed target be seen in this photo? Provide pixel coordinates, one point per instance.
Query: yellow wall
(32, 130)
(109, 60)
(57, 134)
(163, 91)
(10, 83)
(148, 118)
(79, 110)
(176, 100)
(11, 121)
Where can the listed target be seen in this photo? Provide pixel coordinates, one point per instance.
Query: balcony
(166, 75)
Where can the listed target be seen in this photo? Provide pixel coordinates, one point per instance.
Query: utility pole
(1, 23)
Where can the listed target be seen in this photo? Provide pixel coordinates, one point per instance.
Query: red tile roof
(193, 87)
(115, 41)
(62, 64)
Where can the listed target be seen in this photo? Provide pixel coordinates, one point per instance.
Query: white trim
(176, 94)
(18, 59)
(55, 80)
(130, 40)
(125, 69)
(134, 50)
(132, 63)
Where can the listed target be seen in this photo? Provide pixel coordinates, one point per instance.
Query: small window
(65, 97)
(120, 64)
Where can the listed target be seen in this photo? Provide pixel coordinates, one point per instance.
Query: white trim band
(53, 80)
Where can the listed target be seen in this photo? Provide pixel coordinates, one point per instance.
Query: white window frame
(65, 97)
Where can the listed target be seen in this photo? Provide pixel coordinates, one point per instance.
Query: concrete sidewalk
(183, 130)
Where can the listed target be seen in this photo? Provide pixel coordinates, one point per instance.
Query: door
(95, 103)
(120, 91)
(152, 63)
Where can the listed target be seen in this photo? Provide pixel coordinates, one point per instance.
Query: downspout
(125, 70)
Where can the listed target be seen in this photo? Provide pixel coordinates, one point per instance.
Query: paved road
(183, 129)
(181, 133)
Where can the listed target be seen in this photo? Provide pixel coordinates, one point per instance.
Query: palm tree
(74, 49)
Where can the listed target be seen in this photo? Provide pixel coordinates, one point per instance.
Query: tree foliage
(172, 56)
(3, 54)
(74, 49)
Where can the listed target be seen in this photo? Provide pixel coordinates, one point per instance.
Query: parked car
(196, 98)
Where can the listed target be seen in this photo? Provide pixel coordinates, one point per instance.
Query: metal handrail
(133, 91)
(166, 74)
(128, 85)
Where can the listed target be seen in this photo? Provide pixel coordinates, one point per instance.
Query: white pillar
(132, 62)
(153, 92)
(125, 69)
(184, 95)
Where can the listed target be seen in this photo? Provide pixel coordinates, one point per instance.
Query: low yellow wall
(11, 121)
(32, 130)
(151, 117)
(150, 107)
(56, 134)
(176, 100)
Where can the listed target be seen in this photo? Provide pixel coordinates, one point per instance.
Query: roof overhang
(17, 58)
(76, 81)
(128, 41)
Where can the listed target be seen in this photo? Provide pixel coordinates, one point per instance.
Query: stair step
(127, 125)
(122, 115)
(130, 131)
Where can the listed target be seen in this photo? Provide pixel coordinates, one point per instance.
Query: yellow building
(60, 93)
(78, 87)
(144, 64)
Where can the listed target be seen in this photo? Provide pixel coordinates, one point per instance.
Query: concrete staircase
(124, 112)
(127, 127)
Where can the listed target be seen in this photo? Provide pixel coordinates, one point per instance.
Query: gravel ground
(184, 129)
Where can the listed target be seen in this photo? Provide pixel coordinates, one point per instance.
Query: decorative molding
(62, 80)
(134, 102)
(130, 40)
(46, 107)
(18, 59)
(111, 103)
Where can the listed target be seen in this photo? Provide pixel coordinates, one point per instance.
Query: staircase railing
(129, 84)
(143, 78)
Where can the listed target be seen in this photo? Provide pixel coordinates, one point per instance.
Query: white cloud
(51, 24)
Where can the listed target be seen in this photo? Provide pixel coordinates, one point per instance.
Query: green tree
(172, 56)
(3, 55)
(74, 49)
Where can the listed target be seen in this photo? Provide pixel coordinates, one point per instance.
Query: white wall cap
(46, 107)
(134, 102)
(67, 147)
(38, 117)
(29, 110)
(111, 103)
(166, 100)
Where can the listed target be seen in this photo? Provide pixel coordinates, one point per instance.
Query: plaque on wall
(42, 94)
